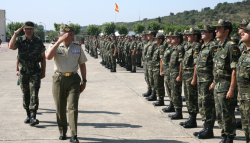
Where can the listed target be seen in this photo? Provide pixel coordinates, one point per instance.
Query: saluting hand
(20, 29)
(63, 37)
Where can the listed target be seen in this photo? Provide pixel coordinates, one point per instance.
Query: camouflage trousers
(158, 83)
(245, 118)
(146, 76)
(225, 113)
(138, 58)
(133, 60)
(95, 52)
(191, 94)
(87, 47)
(167, 85)
(30, 85)
(113, 61)
(176, 90)
(129, 62)
(206, 102)
(150, 77)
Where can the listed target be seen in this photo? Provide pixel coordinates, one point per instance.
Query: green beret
(29, 24)
(66, 28)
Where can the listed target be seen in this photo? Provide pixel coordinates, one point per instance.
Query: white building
(2, 26)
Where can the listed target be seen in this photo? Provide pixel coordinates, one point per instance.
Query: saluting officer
(68, 56)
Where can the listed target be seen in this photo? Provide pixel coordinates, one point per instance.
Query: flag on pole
(117, 8)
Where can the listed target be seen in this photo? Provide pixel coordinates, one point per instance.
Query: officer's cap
(247, 28)
(29, 24)
(159, 36)
(208, 28)
(244, 21)
(66, 28)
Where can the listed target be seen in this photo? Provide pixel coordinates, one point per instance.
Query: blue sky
(85, 12)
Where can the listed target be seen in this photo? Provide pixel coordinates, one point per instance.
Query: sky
(86, 12)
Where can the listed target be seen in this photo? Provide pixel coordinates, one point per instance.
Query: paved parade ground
(111, 109)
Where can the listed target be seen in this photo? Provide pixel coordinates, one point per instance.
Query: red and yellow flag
(117, 8)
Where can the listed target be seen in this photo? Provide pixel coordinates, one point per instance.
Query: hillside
(228, 11)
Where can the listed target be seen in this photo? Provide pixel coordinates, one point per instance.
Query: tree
(51, 34)
(154, 26)
(108, 28)
(171, 14)
(39, 31)
(93, 30)
(77, 28)
(200, 26)
(122, 29)
(13, 26)
(138, 28)
(57, 27)
(159, 19)
(235, 25)
(192, 21)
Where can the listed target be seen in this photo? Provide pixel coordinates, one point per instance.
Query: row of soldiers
(126, 50)
(213, 70)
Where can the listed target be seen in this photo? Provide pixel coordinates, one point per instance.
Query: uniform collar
(224, 43)
(25, 38)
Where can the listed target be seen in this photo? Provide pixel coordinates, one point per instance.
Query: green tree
(200, 25)
(122, 29)
(192, 21)
(159, 19)
(57, 27)
(138, 28)
(235, 25)
(39, 31)
(108, 28)
(154, 26)
(77, 28)
(93, 30)
(52, 34)
(13, 26)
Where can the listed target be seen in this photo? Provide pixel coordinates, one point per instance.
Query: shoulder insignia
(196, 52)
(232, 43)
(180, 53)
(235, 50)
(162, 50)
(215, 50)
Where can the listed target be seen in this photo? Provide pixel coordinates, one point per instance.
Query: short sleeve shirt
(68, 59)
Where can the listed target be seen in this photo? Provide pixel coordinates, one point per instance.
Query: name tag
(75, 51)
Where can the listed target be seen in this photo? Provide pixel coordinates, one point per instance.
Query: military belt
(66, 73)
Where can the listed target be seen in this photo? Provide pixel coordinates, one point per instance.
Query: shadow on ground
(98, 112)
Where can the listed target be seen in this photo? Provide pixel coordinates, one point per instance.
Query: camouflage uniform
(113, 44)
(174, 66)
(243, 78)
(29, 57)
(242, 46)
(188, 63)
(133, 57)
(158, 80)
(225, 60)
(148, 59)
(204, 69)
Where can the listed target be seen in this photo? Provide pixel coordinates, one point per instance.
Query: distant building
(2, 26)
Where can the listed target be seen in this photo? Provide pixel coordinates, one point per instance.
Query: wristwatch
(84, 80)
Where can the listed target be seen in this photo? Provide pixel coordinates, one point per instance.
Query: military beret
(222, 22)
(247, 28)
(159, 36)
(193, 31)
(244, 22)
(208, 28)
(29, 24)
(66, 28)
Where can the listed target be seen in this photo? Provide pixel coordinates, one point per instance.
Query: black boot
(147, 94)
(230, 139)
(33, 120)
(183, 123)
(133, 70)
(224, 139)
(177, 114)
(207, 133)
(238, 124)
(152, 97)
(160, 102)
(113, 70)
(204, 128)
(192, 122)
(141, 66)
(183, 98)
(62, 137)
(27, 120)
(170, 108)
(74, 139)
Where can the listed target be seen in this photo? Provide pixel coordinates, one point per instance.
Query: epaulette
(232, 43)
(77, 43)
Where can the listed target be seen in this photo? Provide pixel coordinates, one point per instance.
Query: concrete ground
(111, 109)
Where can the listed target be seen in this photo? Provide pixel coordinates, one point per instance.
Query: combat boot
(148, 93)
(74, 139)
(160, 102)
(183, 123)
(113, 70)
(133, 70)
(230, 139)
(204, 128)
(224, 139)
(238, 124)
(152, 97)
(27, 120)
(192, 122)
(33, 120)
(177, 114)
(170, 108)
(207, 133)
(129, 68)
